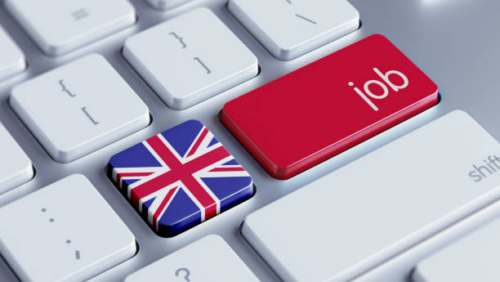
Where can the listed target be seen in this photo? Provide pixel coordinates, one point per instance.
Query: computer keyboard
(398, 202)
(195, 47)
(82, 237)
(59, 27)
(214, 140)
(289, 29)
(79, 108)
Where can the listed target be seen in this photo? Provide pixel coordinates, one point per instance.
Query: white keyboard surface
(397, 203)
(303, 25)
(12, 59)
(63, 232)
(15, 166)
(83, 80)
(473, 258)
(191, 58)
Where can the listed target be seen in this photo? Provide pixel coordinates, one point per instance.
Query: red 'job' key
(329, 106)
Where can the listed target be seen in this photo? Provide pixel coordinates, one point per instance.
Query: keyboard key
(380, 205)
(63, 232)
(329, 106)
(180, 178)
(190, 58)
(473, 258)
(61, 26)
(292, 28)
(79, 108)
(208, 259)
(166, 4)
(12, 59)
(15, 166)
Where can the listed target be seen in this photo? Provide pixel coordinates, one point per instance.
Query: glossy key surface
(60, 26)
(291, 28)
(381, 204)
(180, 178)
(79, 107)
(190, 58)
(472, 258)
(312, 114)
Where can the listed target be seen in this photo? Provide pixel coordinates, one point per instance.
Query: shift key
(365, 213)
(329, 106)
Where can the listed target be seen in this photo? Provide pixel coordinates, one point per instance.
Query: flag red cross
(179, 172)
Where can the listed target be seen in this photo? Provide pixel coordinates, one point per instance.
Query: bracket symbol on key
(209, 71)
(84, 110)
(184, 46)
(65, 89)
(181, 40)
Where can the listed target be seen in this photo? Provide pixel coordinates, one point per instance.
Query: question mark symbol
(186, 273)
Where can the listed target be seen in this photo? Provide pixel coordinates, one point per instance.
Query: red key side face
(329, 106)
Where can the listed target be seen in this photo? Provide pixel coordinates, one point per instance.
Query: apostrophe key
(291, 28)
(329, 106)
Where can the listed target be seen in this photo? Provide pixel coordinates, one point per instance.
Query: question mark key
(208, 259)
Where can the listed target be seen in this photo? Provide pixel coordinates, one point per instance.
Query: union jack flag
(180, 178)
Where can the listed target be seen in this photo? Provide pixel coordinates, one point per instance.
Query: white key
(15, 166)
(12, 59)
(208, 259)
(292, 28)
(79, 108)
(190, 58)
(61, 26)
(63, 232)
(376, 207)
(166, 4)
(473, 258)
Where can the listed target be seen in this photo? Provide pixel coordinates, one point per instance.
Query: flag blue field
(180, 178)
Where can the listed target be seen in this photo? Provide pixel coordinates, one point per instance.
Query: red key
(329, 106)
